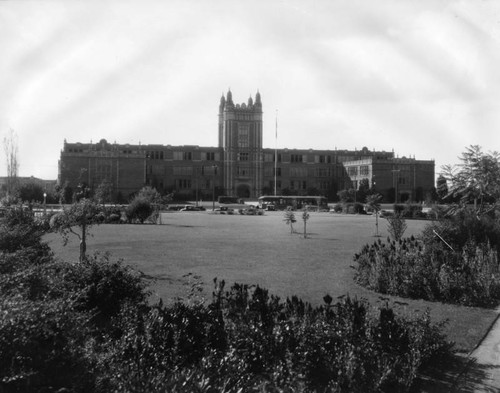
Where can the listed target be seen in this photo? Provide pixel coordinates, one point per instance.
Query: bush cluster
(349, 208)
(464, 270)
(248, 339)
(87, 327)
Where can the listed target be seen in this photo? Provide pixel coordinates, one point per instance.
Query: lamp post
(44, 203)
(214, 167)
(396, 185)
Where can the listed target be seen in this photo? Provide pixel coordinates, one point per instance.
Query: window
(183, 183)
(243, 156)
(183, 170)
(364, 170)
(324, 185)
(209, 170)
(154, 155)
(298, 172)
(187, 156)
(352, 171)
(178, 155)
(323, 172)
(210, 156)
(296, 158)
(243, 171)
(243, 135)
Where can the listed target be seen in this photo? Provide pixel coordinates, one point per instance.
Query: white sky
(419, 77)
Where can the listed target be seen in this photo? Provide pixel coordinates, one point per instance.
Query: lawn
(261, 250)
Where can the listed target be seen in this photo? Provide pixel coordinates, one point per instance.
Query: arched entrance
(243, 191)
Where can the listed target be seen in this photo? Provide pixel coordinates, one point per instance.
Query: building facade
(240, 165)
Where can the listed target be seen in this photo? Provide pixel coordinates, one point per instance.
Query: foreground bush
(42, 347)
(247, 339)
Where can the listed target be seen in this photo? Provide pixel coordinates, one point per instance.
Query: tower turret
(222, 103)
(258, 102)
(250, 102)
(229, 99)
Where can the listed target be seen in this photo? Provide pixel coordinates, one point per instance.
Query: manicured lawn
(261, 250)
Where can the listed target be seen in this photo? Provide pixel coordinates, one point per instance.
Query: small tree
(396, 226)
(104, 192)
(81, 215)
(305, 217)
(373, 202)
(290, 218)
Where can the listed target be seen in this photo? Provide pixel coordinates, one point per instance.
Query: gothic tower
(240, 138)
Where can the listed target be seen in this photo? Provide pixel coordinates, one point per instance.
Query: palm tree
(373, 202)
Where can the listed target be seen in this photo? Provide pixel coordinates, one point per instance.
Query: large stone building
(240, 165)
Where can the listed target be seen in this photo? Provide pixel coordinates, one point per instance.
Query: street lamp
(44, 203)
(214, 167)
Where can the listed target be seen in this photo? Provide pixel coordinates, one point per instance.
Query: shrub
(249, 339)
(396, 226)
(42, 347)
(410, 268)
(139, 209)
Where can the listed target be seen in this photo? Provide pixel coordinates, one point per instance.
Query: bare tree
(11, 155)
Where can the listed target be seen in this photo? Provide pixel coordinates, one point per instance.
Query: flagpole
(276, 155)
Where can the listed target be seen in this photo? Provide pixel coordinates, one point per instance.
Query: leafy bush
(42, 347)
(248, 339)
(410, 268)
(18, 230)
(139, 209)
(396, 226)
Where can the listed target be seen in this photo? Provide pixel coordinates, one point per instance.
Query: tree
(373, 202)
(476, 179)
(363, 190)
(346, 196)
(441, 187)
(31, 192)
(11, 156)
(82, 215)
(150, 194)
(290, 218)
(104, 192)
(305, 217)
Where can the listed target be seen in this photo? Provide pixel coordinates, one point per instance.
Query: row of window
(300, 185)
(286, 157)
(299, 172)
(363, 170)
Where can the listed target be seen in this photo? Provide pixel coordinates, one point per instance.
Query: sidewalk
(479, 372)
(482, 373)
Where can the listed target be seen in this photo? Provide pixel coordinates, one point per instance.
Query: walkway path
(482, 373)
(479, 372)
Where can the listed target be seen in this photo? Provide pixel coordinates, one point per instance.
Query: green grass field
(261, 250)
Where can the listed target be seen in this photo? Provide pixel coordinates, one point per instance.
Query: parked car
(225, 210)
(191, 208)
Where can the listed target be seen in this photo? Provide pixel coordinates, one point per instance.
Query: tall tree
(441, 187)
(10, 145)
(476, 179)
(373, 202)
